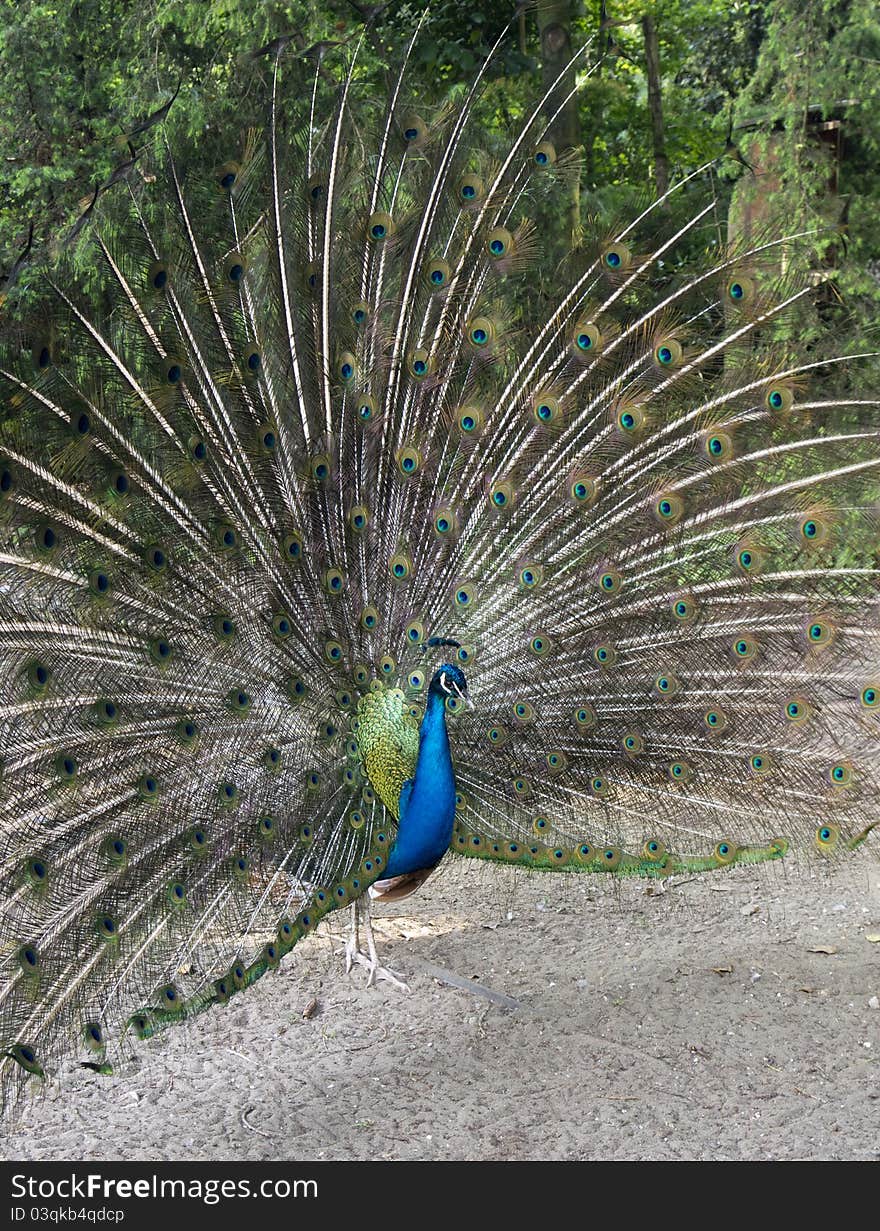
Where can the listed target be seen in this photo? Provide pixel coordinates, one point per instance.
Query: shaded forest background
(785, 88)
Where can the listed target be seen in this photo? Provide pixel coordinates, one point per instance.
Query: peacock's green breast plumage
(388, 741)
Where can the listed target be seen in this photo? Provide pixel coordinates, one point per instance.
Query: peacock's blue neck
(427, 804)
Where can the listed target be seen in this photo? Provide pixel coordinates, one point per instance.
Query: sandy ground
(695, 1024)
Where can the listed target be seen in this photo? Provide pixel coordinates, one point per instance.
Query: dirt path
(694, 1024)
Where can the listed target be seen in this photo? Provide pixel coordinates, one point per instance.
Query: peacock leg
(353, 944)
(370, 961)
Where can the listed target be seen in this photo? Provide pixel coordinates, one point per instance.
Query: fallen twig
(468, 985)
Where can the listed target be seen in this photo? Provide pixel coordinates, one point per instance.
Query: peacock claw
(377, 973)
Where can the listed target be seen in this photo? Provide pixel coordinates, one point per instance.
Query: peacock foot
(377, 973)
(360, 912)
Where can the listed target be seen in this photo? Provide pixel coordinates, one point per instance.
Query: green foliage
(811, 113)
(77, 78)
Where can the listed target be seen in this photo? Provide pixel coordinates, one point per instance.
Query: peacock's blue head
(449, 681)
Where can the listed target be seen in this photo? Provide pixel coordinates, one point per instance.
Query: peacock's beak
(463, 697)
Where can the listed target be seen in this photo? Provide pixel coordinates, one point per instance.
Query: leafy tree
(80, 81)
(811, 116)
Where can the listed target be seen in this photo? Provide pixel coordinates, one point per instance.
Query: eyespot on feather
(739, 290)
(583, 490)
(234, 268)
(684, 609)
(715, 720)
(409, 461)
(419, 363)
(604, 654)
(401, 566)
(499, 244)
(502, 495)
(779, 396)
(718, 446)
(610, 581)
(413, 130)
(470, 421)
(316, 189)
(359, 518)
(827, 838)
(444, 522)
(585, 716)
(668, 353)
(158, 275)
(480, 333)
(437, 274)
(470, 191)
(544, 155)
(616, 257)
(227, 175)
(380, 226)
(668, 509)
(586, 339)
(630, 420)
(797, 710)
(667, 685)
(547, 410)
(744, 649)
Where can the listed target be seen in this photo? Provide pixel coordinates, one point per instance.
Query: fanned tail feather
(314, 416)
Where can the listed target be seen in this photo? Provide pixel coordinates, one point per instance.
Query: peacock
(354, 511)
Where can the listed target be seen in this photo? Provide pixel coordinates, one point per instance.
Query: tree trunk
(655, 104)
(554, 28)
(603, 41)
